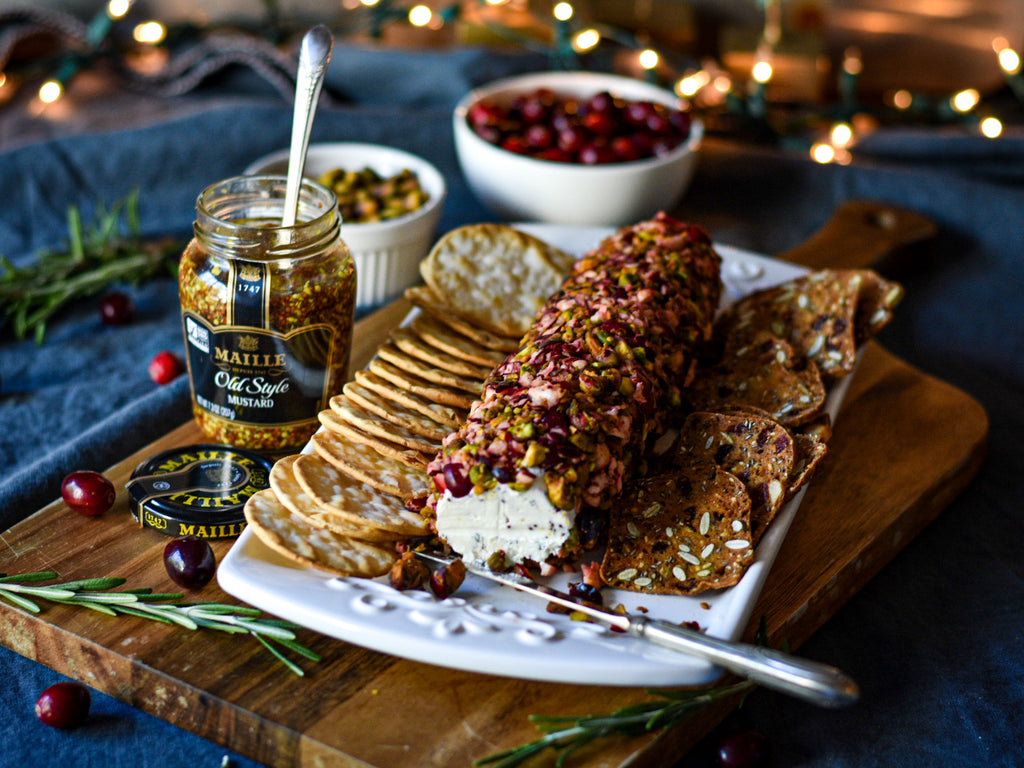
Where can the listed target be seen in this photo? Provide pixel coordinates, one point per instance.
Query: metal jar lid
(197, 490)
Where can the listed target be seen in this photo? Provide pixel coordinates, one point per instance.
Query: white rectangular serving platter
(491, 629)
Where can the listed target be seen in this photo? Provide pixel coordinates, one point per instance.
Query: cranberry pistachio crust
(596, 374)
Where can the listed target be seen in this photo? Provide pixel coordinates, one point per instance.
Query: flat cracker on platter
(409, 418)
(423, 297)
(411, 456)
(448, 415)
(440, 393)
(341, 495)
(392, 430)
(680, 532)
(296, 540)
(446, 339)
(365, 463)
(293, 497)
(412, 344)
(494, 276)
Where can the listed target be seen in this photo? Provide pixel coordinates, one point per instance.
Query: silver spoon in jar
(314, 57)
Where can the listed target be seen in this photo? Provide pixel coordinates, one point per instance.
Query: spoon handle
(314, 57)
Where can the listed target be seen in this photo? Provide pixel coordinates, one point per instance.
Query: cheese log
(562, 423)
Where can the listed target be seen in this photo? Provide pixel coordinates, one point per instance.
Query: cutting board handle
(865, 234)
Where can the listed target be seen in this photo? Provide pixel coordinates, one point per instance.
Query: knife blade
(812, 681)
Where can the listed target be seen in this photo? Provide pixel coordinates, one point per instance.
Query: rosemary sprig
(568, 734)
(109, 251)
(95, 594)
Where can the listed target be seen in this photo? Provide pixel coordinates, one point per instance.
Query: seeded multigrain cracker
(764, 373)
(825, 316)
(293, 538)
(494, 276)
(297, 501)
(438, 335)
(681, 532)
(337, 425)
(749, 445)
(364, 462)
(441, 309)
(447, 415)
(439, 393)
(810, 446)
(349, 499)
(410, 343)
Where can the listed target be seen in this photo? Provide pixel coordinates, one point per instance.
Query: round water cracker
(339, 426)
(447, 415)
(296, 540)
(382, 427)
(680, 532)
(436, 392)
(493, 275)
(750, 445)
(441, 336)
(367, 399)
(392, 354)
(338, 494)
(364, 462)
(298, 502)
(424, 298)
(413, 345)
(764, 373)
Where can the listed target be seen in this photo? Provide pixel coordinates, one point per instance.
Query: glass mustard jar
(266, 310)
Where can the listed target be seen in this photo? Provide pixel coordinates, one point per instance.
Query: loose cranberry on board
(165, 367)
(87, 492)
(64, 705)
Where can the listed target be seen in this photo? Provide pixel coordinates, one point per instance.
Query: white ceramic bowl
(387, 253)
(521, 188)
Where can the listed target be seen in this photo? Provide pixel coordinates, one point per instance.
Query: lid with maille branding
(197, 490)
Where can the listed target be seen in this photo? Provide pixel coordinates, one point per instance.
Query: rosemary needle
(23, 590)
(108, 252)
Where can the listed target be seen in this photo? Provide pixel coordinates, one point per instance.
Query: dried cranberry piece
(586, 593)
(456, 481)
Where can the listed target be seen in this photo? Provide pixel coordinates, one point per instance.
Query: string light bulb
(586, 40)
(648, 58)
(149, 32)
(420, 15)
(50, 91)
(965, 100)
(563, 11)
(762, 71)
(116, 9)
(991, 127)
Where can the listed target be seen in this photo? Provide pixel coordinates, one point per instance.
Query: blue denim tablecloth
(936, 641)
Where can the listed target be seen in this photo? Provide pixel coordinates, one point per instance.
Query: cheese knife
(812, 681)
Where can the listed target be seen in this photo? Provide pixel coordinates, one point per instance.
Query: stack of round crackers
(343, 504)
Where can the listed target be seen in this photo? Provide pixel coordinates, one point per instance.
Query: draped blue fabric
(936, 641)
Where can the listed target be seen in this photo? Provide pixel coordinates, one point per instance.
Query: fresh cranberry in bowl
(576, 148)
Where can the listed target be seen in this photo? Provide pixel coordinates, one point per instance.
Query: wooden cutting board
(904, 446)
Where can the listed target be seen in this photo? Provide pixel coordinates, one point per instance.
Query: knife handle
(812, 681)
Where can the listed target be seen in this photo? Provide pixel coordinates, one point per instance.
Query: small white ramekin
(387, 254)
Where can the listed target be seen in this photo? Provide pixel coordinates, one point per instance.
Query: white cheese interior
(525, 525)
